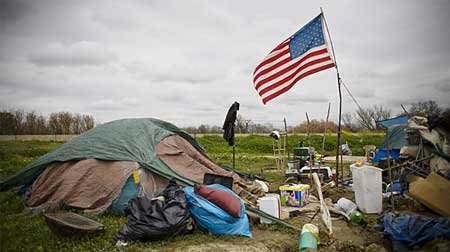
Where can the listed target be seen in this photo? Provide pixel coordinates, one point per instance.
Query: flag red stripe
(287, 69)
(291, 76)
(271, 59)
(285, 89)
(269, 69)
(281, 45)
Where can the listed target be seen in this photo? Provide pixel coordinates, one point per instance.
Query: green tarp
(126, 139)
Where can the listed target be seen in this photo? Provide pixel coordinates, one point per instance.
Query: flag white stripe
(281, 68)
(296, 59)
(298, 74)
(277, 53)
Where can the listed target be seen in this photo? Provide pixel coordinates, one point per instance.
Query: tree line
(21, 122)
(363, 119)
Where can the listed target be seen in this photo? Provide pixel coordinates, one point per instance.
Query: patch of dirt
(263, 240)
(335, 193)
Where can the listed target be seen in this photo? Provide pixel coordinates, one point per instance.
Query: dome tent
(158, 148)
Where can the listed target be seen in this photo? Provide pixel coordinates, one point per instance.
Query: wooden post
(390, 171)
(286, 142)
(234, 159)
(326, 125)
(338, 144)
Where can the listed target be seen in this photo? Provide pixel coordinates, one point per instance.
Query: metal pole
(338, 144)
(287, 143)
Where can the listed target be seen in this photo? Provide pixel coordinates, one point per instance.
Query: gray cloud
(188, 62)
(11, 11)
(115, 104)
(78, 54)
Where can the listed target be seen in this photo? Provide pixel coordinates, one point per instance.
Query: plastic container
(347, 205)
(270, 205)
(309, 237)
(294, 164)
(295, 195)
(367, 185)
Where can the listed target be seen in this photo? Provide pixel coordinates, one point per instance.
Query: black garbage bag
(154, 219)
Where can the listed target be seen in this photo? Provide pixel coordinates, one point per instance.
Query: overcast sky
(188, 61)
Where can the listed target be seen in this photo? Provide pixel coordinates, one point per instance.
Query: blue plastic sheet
(395, 154)
(399, 120)
(129, 190)
(415, 229)
(212, 218)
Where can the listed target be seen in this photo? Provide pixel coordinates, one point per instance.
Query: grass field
(22, 232)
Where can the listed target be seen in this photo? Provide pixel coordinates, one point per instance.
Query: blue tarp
(395, 137)
(399, 120)
(395, 154)
(414, 229)
(212, 218)
(129, 190)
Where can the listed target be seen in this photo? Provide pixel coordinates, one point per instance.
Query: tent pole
(234, 159)
(338, 144)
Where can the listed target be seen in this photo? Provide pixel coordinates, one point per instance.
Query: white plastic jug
(270, 205)
(367, 185)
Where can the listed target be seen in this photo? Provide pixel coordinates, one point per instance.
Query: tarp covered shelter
(97, 169)
(395, 137)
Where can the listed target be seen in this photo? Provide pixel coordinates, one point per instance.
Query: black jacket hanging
(228, 125)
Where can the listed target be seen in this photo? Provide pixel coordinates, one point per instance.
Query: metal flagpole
(340, 99)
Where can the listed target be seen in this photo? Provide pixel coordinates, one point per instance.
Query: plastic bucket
(309, 237)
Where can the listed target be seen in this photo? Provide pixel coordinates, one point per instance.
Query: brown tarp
(187, 161)
(88, 184)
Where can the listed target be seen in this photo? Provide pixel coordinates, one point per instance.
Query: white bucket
(270, 205)
(367, 185)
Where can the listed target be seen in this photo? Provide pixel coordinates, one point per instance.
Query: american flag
(302, 54)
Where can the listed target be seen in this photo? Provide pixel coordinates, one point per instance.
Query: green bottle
(356, 217)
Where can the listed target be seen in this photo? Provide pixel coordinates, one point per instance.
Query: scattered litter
(212, 218)
(309, 238)
(323, 208)
(155, 219)
(270, 204)
(411, 230)
(433, 192)
(71, 224)
(263, 185)
(346, 205)
(295, 195)
(367, 185)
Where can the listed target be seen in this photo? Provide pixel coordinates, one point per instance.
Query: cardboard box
(433, 192)
(295, 195)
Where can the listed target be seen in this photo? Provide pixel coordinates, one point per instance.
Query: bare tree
(242, 124)
(425, 108)
(31, 123)
(41, 125)
(348, 122)
(77, 123)
(367, 117)
(19, 121)
(65, 122)
(53, 124)
(7, 123)
(88, 122)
